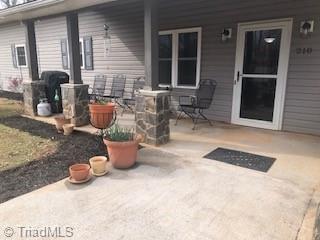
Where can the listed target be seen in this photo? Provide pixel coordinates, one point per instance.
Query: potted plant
(101, 113)
(122, 146)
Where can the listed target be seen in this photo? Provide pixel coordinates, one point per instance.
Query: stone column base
(75, 103)
(153, 116)
(32, 93)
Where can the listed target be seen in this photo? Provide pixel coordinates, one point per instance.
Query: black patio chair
(117, 89)
(99, 85)
(131, 92)
(194, 106)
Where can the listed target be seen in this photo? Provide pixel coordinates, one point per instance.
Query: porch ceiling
(41, 8)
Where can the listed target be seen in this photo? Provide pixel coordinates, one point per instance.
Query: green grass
(18, 147)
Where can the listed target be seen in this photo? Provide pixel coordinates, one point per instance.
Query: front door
(261, 72)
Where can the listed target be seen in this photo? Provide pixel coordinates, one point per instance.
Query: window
(179, 57)
(81, 52)
(21, 55)
(86, 53)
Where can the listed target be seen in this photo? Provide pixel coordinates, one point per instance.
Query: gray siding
(10, 34)
(127, 43)
(302, 105)
(49, 32)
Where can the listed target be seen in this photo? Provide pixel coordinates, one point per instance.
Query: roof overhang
(42, 8)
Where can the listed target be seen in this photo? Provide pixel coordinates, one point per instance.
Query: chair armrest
(187, 100)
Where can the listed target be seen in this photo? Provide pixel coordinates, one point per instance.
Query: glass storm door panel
(262, 59)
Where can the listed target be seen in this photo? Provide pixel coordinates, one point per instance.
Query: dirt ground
(44, 155)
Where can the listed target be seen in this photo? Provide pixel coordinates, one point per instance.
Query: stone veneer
(153, 116)
(75, 103)
(32, 93)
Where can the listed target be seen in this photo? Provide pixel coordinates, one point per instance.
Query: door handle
(238, 76)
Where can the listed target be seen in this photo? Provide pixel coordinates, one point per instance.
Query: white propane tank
(44, 108)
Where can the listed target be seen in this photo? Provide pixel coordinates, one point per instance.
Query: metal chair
(130, 96)
(99, 85)
(117, 89)
(193, 106)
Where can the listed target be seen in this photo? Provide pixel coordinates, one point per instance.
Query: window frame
(17, 56)
(175, 55)
(82, 52)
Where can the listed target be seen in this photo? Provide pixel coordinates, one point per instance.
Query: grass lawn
(33, 154)
(19, 147)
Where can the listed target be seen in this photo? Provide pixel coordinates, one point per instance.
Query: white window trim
(83, 57)
(82, 51)
(175, 51)
(25, 55)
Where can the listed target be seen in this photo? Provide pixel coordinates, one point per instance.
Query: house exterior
(266, 66)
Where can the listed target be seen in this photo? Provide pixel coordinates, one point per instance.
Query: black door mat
(242, 159)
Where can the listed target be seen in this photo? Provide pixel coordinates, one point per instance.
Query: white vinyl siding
(11, 35)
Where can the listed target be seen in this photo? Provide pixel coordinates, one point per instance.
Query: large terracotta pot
(122, 154)
(101, 115)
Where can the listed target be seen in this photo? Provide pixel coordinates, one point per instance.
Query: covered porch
(283, 99)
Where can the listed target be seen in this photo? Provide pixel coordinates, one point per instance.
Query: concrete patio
(173, 193)
(167, 197)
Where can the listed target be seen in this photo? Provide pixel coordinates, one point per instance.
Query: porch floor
(298, 155)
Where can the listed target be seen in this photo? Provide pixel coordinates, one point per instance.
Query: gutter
(27, 7)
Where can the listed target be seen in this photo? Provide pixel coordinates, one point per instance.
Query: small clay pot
(99, 164)
(79, 172)
(67, 129)
(60, 121)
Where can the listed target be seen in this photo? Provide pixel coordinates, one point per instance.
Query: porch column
(75, 98)
(151, 44)
(31, 50)
(152, 105)
(33, 89)
(74, 48)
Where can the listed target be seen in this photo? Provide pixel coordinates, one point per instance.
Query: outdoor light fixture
(226, 34)
(306, 27)
(269, 39)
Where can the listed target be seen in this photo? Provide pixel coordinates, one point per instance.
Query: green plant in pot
(122, 146)
(101, 113)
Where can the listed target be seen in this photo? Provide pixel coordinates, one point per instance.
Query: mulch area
(50, 168)
(11, 95)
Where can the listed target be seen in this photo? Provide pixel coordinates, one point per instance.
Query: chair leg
(195, 121)
(205, 118)
(178, 118)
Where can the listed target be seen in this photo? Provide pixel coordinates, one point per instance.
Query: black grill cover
(53, 80)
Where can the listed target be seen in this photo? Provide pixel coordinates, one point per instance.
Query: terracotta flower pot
(79, 172)
(101, 115)
(99, 164)
(122, 154)
(60, 121)
(67, 129)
